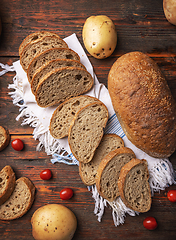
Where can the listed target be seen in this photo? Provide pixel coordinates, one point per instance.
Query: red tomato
(46, 174)
(66, 193)
(150, 223)
(171, 195)
(17, 144)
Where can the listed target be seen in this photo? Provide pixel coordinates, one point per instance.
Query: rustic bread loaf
(7, 183)
(20, 201)
(86, 131)
(61, 84)
(143, 104)
(4, 138)
(134, 187)
(49, 66)
(109, 170)
(34, 37)
(88, 171)
(48, 55)
(31, 50)
(64, 114)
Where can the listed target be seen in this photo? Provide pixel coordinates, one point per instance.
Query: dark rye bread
(31, 50)
(109, 170)
(34, 37)
(134, 187)
(4, 138)
(20, 201)
(51, 65)
(143, 104)
(48, 55)
(7, 183)
(88, 171)
(86, 131)
(61, 84)
(64, 114)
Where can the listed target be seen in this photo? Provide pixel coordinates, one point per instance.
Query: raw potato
(99, 36)
(169, 7)
(53, 222)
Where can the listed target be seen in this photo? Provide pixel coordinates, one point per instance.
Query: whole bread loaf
(51, 65)
(7, 183)
(109, 170)
(32, 49)
(64, 114)
(143, 104)
(88, 171)
(4, 138)
(86, 131)
(20, 201)
(134, 187)
(61, 84)
(48, 55)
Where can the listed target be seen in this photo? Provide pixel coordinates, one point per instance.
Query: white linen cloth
(161, 170)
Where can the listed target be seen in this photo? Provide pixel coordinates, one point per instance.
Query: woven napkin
(160, 170)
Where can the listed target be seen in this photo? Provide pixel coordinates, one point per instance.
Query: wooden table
(141, 25)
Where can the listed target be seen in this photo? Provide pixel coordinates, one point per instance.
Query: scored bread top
(4, 138)
(86, 131)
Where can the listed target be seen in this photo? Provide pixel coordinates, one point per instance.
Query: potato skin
(169, 7)
(53, 222)
(99, 36)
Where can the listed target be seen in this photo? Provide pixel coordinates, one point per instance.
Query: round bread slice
(31, 50)
(48, 55)
(49, 66)
(134, 187)
(4, 138)
(7, 183)
(61, 84)
(86, 131)
(33, 37)
(109, 170)
(20, 201)
(64, 114)
(88, 171)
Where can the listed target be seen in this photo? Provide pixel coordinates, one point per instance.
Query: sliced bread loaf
(62, 84)
(48, 55)
(134, 187)
(51, 65)
(7, 183)
(4, 138)
(20, 201)
(64, 114)
(33, 49)
(88, 171)
(109, 170)
(34, 37)
(86, 131)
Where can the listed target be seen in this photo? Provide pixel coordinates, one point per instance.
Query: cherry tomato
(17, 144)
(46, 174)
(66, 193)
(150, 223)
(171, 195)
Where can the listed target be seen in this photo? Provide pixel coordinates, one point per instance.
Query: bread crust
(143, 104)
(5, 133)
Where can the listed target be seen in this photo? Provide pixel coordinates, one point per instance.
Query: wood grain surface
(142, 26)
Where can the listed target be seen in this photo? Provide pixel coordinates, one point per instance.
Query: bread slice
(48, 55)
(134, 187)
(4, 138)
(33, 49)
(109, 170)
(64, 114)
(62, 84)
(20, 201)
(88, 171)
(7, 183)
(86, 131)
(33, 37)
(51, 65)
